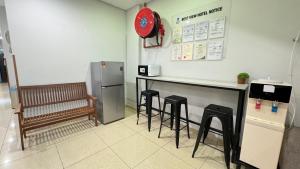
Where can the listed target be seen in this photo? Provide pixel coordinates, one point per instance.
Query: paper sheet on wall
(176, 52)
(187, 51)
(188, 33)
(177, 34)
(199, 50)
(217, 28)
(201, 30)
(215, 50)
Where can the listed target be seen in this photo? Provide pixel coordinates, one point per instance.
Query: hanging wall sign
(195, 15)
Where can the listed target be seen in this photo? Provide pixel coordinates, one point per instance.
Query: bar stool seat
(176, 102)
(176, 99)
(225, 115)
(148, 94)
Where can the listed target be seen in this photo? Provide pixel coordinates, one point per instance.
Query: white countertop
(200, 82)
(271, 82)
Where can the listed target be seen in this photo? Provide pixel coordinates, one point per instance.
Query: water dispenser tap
(274, 106)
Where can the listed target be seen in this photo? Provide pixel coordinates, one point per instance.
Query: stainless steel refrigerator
(108, 87)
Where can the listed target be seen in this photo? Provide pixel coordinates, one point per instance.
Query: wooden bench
(44, 105)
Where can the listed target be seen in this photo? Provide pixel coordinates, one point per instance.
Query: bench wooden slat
(56, 116)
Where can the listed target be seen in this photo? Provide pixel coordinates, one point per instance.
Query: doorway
(3, 69)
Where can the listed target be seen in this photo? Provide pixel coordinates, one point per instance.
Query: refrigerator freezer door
(112, 73)
(113, 104)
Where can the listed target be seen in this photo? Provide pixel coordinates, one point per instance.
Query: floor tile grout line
(49, 146)
(92, 153)
(114, 151)
(159, 148)
(134, 132)
(164, 147)
(60, 157)
(203, 164)
(85, 158)
(2, 144)
(152, 140)
(131, 127)
(28, 156)
(11, 110)
(119, 157)
(181, 158)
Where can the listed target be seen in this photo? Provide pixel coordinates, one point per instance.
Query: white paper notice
(215, 50)
(269, 88)
(201, 30)
(187, 51)
(188, 33)
(217, 28)
(177, 34)
(176, 52)
(199, 50)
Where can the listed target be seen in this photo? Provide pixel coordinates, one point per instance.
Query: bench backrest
(39, 95)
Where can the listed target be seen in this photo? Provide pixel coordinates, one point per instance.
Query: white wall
(296, 80)
(132, 57)
(259, 42)
(54, 41)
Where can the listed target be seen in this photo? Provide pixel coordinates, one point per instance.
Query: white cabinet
(261, 143)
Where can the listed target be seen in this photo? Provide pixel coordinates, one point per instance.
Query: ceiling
(124, 4)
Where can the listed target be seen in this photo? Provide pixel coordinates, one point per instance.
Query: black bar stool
(148, 94)
(225, 115)
(176, 102)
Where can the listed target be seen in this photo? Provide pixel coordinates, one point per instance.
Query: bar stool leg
(172, 116)
(162, 119)
(231, 132)
(149, 110)
(226, 142)
(177, 123)
(139, 110)
(159, 106)
(206, 129)
(201, 130)
(187, 120)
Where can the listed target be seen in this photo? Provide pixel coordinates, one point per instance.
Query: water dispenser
(267, 109)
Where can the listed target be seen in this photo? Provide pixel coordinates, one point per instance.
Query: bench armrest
(93, 99)
(19, 109)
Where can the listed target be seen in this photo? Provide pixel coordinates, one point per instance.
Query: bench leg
(96, 118)
(89, 117)
(21, 137)
(25, 136)
(21, 132)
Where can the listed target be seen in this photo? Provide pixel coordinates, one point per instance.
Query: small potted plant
(243, 78)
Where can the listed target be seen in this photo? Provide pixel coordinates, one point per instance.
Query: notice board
(200, 34)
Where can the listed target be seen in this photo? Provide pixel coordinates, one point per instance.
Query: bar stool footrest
(154, 115)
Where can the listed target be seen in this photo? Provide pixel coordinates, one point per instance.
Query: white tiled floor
(79, 144)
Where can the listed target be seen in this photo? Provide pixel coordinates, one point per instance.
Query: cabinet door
(113, 103)
(261, 146)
